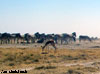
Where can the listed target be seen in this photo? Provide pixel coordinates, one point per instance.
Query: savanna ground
(76, 58)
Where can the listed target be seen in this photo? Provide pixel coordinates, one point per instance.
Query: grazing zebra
(40, 41)
(68, 38)
(49, 42)
(84, 38)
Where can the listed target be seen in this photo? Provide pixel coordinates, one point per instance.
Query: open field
(83, 58)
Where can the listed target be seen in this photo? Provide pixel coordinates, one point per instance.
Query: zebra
(84, 38)
(68, 38)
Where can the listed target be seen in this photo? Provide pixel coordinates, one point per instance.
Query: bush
(68, 57)
(10, 58)
(73, 72)
(52, 56)
(11, 64)
(45, 67)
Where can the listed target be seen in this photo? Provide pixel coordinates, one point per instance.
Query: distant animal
(28, 38)
(94, 38)
(40, 41)
(49, 42)
(68, 38)
(17, 37)
(84, 38)
(5, 38)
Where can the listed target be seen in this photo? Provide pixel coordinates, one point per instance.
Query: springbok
(51, 42)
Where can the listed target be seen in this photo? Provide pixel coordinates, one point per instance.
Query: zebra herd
(17, 38)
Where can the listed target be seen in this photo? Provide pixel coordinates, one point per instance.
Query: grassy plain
(51, 63)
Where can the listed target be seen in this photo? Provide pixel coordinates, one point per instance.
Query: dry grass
(77, 69)
(51, 63)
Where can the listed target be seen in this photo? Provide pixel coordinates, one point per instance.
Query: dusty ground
(77, 45)
(75, 58)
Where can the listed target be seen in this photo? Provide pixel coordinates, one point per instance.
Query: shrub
(11, 64)
(74, 72)
(45, 67)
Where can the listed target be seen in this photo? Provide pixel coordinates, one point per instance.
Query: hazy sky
(50, 16)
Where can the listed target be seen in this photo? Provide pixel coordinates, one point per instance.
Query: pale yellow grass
(14, 58)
